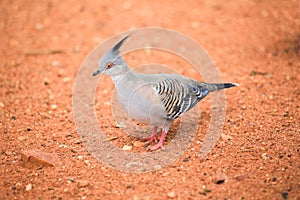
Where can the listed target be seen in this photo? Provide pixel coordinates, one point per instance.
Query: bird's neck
(123, 74)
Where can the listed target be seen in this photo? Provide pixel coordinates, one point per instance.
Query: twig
(37, 52)
(111, 138)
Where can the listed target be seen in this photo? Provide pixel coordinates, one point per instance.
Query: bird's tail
(219, 86)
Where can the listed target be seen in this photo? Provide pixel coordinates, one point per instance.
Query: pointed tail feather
(219, 86)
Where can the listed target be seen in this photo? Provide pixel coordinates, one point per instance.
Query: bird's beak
(96, 72)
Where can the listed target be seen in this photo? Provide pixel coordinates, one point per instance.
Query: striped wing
(179, 95)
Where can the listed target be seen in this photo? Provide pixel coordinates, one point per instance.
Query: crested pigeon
(154, 99)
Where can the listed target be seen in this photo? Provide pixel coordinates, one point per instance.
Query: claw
(159, 145)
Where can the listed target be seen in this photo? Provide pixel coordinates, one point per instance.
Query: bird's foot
(152, 138)
(159, 145)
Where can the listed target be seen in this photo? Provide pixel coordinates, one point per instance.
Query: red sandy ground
(43, 44)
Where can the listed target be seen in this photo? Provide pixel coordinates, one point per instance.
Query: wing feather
(179, 95)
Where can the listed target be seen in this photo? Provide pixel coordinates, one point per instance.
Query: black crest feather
(119, 44)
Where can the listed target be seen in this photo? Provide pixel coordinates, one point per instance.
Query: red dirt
(253, 43)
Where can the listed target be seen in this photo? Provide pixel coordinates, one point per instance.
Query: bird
(153, 99)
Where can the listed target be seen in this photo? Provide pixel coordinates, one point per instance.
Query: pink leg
(160, 144)
(153, 137)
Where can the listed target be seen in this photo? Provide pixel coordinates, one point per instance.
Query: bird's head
(112, 63)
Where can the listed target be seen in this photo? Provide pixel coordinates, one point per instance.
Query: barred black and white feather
(179, 95)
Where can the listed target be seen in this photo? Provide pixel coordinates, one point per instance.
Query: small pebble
(19, 186)
(68, 134)
(186, 159)
(165, 174)
(126, 148)
(55, 63)
(38, 158)
(54, 106)
(129, 186)
(138, 144)
(83, 183)
(220, 178)
(77, 142)
(73, 150)
(108, 103)
(241, 177)
(157, 167)
(28, 187)
(264, 156)
(284, 195)
(226, 137)
(61, 72)
(120, 125)
(66, 79)
(273, 179)
(171, 194)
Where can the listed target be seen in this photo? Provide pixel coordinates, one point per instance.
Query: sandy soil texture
(255, 43)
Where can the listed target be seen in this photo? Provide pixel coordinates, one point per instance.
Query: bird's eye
(109, 65)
